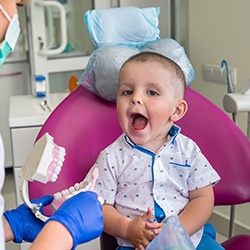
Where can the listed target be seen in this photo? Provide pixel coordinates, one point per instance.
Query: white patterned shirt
(133, 178)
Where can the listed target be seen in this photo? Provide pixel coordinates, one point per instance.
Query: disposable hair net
(118, 34)
(130, 26)
(174, 51)
(101, 73)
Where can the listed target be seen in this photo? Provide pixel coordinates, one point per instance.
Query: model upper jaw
(44, 162)
(138, 121)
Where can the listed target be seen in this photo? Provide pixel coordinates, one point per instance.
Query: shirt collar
(174, 131)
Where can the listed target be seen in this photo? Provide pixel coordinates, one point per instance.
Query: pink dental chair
(84, 124)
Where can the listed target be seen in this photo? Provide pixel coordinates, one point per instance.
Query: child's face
(147, 103)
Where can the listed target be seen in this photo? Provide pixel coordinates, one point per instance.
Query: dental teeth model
(60, 197)
(44, 164)
(83, 186)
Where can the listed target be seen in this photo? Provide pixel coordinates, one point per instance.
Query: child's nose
(136, 99)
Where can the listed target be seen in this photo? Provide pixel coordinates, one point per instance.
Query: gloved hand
(24, 224)
(82, 216)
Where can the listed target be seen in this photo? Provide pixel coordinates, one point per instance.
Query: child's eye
(127, 92)
(152, 92)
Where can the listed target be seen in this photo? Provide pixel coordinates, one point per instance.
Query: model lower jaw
(83, 186)
(65, 194)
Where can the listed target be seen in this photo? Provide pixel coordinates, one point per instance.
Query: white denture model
(83, 186)
(44, 164)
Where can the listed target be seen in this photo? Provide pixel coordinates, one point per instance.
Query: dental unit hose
(230, 86)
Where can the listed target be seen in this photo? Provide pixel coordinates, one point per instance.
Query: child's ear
(180, 111)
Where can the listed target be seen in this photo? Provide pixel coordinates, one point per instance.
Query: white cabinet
(22, 142)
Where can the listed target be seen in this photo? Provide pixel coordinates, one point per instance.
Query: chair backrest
(85, 124)
(223, 143)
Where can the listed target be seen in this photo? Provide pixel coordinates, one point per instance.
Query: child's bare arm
(115, 223)
(133, 230)
(198, 210)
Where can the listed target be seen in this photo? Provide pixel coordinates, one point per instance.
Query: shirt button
(158, 197)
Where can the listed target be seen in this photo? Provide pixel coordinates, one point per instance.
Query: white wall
(221, 30)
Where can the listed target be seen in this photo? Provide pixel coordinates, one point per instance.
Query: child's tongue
(139, 122)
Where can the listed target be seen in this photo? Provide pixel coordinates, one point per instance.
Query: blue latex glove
(24, 224)
(82, 216)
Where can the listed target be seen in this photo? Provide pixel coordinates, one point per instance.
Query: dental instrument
(44, 104)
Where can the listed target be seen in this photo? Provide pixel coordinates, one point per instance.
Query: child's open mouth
(139, 121)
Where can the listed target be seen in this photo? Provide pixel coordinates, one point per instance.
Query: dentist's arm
(7, 230)
(78, 220)
(53, 236)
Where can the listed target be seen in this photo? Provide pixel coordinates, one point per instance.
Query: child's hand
(154, 227)
(138, 234)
